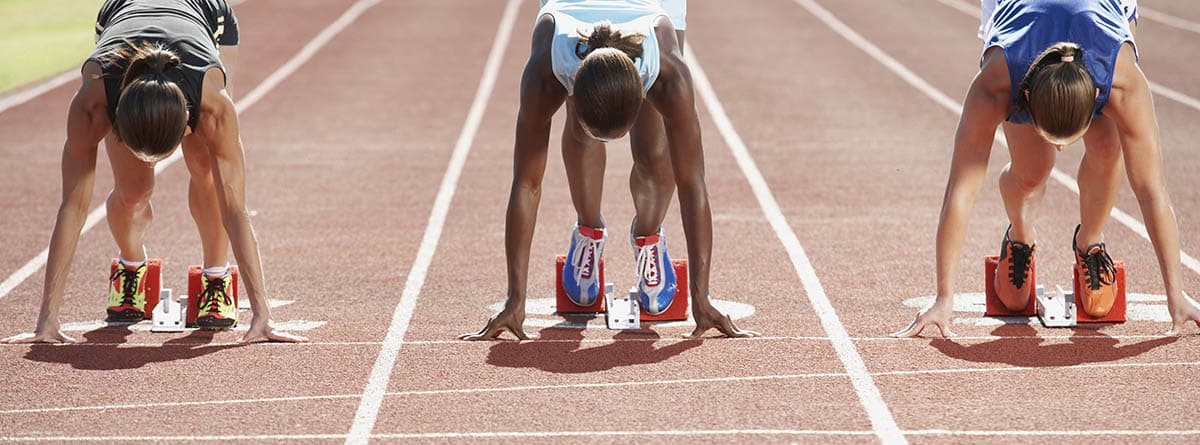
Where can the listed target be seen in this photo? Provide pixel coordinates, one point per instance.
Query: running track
(379, 171)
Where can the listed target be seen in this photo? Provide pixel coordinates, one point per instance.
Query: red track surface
(346, 157)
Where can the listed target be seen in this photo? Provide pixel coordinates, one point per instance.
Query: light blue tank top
(1025, 28)
(573, 17)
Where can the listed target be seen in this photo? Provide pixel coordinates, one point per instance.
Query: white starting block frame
(621, 312)
(1056, 310)
(171, 313)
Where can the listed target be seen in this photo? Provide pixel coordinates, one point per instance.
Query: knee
(1025, 181)
(132, 196)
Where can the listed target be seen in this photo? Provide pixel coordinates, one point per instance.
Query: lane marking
(559, 434)
(30, 93)
(945, 101)
(269, 83)
(543, 313)
(602, 385)
(1169, 20)
(1162, 90)
(381, 372)
(144, 326)
(872, 401)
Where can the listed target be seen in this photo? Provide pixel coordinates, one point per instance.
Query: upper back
(573, 17)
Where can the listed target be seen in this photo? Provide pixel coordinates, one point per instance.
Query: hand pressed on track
(1181, 316)
(708, 317)
(938, 315)
(512, 320)
(260, 333)
(48, 336)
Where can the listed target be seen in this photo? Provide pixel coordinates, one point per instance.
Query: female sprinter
(155, 79)
(619, 67)
(1054, 71)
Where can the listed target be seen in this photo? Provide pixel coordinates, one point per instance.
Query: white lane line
(1058, 175)
(665, 340)
(50, 84)
(381, 373)
(603, 385)
(872, 401)
(97, 214)
(565, 434)
(1162, 90)
(1167, 19)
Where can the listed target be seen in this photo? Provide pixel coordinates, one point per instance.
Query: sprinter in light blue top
(1052, 72)
(618, 66)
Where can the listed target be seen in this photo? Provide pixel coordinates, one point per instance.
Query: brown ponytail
(1058, 92)
(152, 113)
(608, 88)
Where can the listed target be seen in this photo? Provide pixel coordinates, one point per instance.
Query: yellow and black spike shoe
(217, 310)
(127, 294)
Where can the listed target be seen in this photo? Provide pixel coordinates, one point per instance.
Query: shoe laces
(585, 258)
(1019, 262)
(214, 295)
(129, 281)
(1098, 266)
(647, 264)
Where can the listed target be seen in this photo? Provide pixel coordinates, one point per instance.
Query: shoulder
(91, 96)
(215, 104)
(541, 46)
(1127, 76)
(993, 75)
(672, 65)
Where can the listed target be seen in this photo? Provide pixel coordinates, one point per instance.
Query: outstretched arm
(1132, 107)
(541, 97)
(218, 125)
(87, 123)
(673, 96)
(984, 108)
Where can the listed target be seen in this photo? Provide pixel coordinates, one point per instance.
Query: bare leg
(128, 205)
(651, 181)
(1101, 173)
(585, 159)
(202, 201)
(1023, 181)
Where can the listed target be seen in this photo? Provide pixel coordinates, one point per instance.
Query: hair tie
(1068, 59)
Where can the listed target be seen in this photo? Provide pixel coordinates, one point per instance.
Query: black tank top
(193, 29)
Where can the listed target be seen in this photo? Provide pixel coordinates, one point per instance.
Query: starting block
(153, 281)
(1117, 313)
(994, 306)
(622, 312)
(1056, 310)
(563, 303)
(679, 305)
(195, 287)
(169, 315)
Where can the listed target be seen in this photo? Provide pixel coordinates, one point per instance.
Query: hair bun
(603, 36)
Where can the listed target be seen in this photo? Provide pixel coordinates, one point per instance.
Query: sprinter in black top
(160, 77)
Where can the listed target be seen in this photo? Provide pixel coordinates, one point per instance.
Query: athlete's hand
(708, 317)
(263, 332)
(510, 319)
(47, 336)
(939, 315)
(1188, 311)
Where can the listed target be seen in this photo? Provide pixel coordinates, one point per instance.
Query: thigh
(1032, 157)
(130, 174)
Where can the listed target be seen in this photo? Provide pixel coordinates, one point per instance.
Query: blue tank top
(1025, 28)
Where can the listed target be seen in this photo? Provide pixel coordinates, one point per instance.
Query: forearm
(1164, 235)
(697, 227)
(245, 250)
(63, 242)
(951, 233)
(519, 225)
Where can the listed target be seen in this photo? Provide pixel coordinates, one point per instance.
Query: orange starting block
(679, 305)
(1117, 314)
(563, 303)
(195, 288)
(994, 306)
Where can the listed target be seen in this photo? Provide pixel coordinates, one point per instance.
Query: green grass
(40, 38)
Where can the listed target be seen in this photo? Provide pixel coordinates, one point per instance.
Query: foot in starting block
(195, 288)
(171, 313)
(995, 307)
(623, 312)
(151, 285)
(563, 303)
(1056, 310)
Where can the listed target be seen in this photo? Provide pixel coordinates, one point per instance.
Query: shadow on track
(565, 356)
(1088, 345)
(111, 355)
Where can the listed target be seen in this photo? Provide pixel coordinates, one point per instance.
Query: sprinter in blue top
(618, 66)
(1052, 72)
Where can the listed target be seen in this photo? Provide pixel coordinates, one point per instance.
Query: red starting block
(152, 284)
(195, 287)
(679, 305)
(563, 303)
(1117, 313)
(994, 306)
